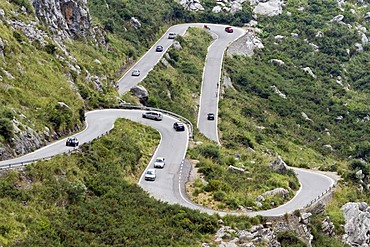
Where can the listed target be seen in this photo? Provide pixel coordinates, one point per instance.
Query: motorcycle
(207, 27)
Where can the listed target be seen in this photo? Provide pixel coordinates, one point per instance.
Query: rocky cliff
(52, 23)
(357, 227)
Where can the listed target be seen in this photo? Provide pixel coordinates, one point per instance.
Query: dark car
(229, 29)
(178, 126)
(159, 48)
(72, 141)
(211, 116)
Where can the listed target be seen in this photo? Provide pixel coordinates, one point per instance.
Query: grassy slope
(85, 199)
(299, 147)
(39, 83)
(284, 129)
(272, 124)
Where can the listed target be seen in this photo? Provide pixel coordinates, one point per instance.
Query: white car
(159, 162)
(135, 72)
(150, 174)
(172, 35)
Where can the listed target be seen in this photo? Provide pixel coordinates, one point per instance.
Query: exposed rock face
(2, 46)
(141, 93)
(305, 218)
(193, 5)
(227, 236)
(279, 166)
(176, 45)
(278, 191)
(337, 18)
(278, 92)
(235, 169)
(309, 71)
(135, 23)
(65, 17)
(269, 8)
(357, 227)
(328, 227)
(278, 62)
(245, 45)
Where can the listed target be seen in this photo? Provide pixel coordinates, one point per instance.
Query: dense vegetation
(336, 135)
(226, 189)
(85, 199)
(74, 200)
(336, 115)
(180, 79)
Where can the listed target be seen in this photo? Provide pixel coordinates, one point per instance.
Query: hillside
(303, 97)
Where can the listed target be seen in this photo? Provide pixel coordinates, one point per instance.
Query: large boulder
(278, 191)
(235, 169)
(279, 166)
(140, 92)
(357, 217)
(135, 23)
(192, 5)
(269, 8)
(328, 227)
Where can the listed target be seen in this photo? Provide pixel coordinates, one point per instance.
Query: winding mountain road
(170, 183)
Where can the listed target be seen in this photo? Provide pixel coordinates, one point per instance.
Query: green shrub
(290, 239)
(219, 196)
(6, 129)
(210, 151)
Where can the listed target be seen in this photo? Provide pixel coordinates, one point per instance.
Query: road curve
(170, 183)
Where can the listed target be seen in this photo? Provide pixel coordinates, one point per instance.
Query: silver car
(153, 115)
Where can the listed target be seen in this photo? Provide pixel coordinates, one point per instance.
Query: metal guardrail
(319, 197)
(12, 165)
(191, 132)
(17, 164)
(23, 163)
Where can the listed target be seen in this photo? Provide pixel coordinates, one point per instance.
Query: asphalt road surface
(170, 183)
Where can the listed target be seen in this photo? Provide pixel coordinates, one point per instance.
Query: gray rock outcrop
(65, 17)
(305, 218)
(140, 92)
(278, 191)
(357, 227)
(328, 227)
(309, 71)
(227, 236)
(192, 5)
(235, 169)
(2, 46)
(135, 23)
(269, 8)
(277, 62)
(337, 18)
(278, 92)
(279, 166)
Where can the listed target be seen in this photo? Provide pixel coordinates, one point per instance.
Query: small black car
(72, 141)
(178, 126)
(211, 116)
(159, 48)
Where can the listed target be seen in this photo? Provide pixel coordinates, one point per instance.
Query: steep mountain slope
(304, 96)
